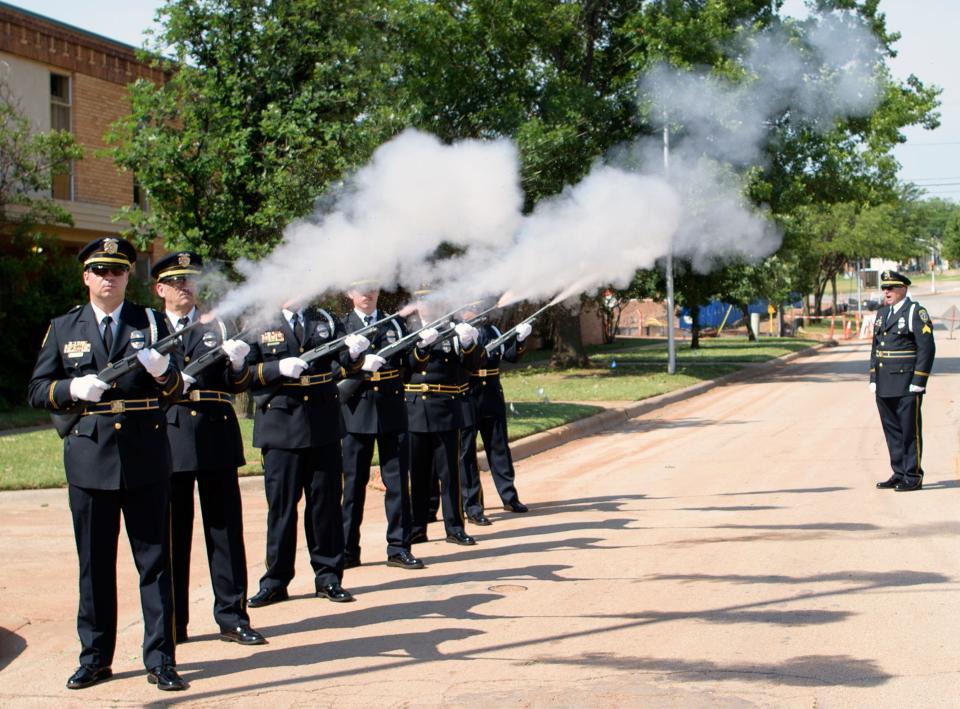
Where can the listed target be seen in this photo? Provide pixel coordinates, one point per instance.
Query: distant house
(67, 78)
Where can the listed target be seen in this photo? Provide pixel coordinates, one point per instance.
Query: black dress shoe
(166, 678)
(87, 675)
(243, 634)
(266, 596)
(334, 592)
(404, 560)
(905, 486)
(890, 482)
(480, 519)
(418, 537)
(351, 563)
(515, 506)
(461, 538)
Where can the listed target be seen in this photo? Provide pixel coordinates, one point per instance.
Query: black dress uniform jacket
(443, 365)
(485, 393)
(378, 406)
(106, 451)
(903, 349)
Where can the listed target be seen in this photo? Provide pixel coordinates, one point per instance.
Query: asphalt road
(729, 550)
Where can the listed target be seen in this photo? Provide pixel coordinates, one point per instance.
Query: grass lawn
(735, 350)
(22, 416)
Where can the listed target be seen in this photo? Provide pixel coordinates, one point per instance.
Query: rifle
(115, 370)
(494, 344)
(209, 358)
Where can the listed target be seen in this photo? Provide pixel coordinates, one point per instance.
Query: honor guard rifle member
(206, 449)
(297, 426)
(116, 457)
(901, 360)
(485, 396)
(435, 413)
(376, 413)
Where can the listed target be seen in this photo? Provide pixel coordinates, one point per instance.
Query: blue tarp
(712, 314)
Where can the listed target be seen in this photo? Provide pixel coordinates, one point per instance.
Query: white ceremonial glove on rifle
(87, 388)
(428, 337)
(356, 345)
(467, 333)
(523, 331)
(188, 381)
(154, 362)
(292, 367)
(372, 362)
(236, 351)
(873, 387)
(914, 389)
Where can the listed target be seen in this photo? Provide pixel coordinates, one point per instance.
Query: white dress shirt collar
(100, 315)
(174, 318)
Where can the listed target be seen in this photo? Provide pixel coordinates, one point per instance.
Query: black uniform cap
(179, 264)
(891, 279)
(108, 251)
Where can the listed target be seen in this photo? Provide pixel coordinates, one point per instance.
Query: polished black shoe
(166, 678)
(890, 482)
(404, 560)
(906, 486)
(334, 592)
(266, 596)
(515, 506)
(461, 538)
(351, 563)
(480, 519)
(88, 675)
(243, 634)
(418, 537)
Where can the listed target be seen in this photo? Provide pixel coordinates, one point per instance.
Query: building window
(60, 120)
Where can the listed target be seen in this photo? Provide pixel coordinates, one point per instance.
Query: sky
(930, 159)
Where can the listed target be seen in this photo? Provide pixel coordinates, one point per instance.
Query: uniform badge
(209, 339)
(924, 316)
(137, 340)
(76, 349)
(446, 346)
(322, 331)
(183, 259)
(110, 246)
(391, 336)
(901, 323)
(271, 337)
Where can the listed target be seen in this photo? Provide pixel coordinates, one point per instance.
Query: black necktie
(367, 319)
(183, 322)
(298, 328)
(108, 333)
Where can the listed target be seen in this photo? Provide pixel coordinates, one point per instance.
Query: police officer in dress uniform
(297, 425)
(900, 364)
(376, 413)
(206, 448)
(116, 457)
(485, 396)
(435, 413)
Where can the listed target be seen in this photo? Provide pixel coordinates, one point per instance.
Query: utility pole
(671, 338)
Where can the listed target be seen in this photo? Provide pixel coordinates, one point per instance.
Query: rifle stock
(115, 370)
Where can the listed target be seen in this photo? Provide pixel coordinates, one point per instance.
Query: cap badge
(183, 259)
(110, 246)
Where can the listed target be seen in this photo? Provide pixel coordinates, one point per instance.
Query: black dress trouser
(436, 453)
(493, 432)
(903, 429)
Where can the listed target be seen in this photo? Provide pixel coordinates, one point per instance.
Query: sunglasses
(102, 271)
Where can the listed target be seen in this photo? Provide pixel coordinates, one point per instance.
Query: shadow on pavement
(11, 645)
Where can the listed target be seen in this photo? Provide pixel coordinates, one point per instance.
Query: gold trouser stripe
(916, 423)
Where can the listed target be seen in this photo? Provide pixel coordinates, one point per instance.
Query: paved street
(729, 550)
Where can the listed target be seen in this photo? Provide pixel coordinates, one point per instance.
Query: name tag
(272, 337)
(76, 349)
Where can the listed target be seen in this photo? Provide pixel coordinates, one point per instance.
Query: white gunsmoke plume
(413, 195)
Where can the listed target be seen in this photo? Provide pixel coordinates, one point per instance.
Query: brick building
(72, 79)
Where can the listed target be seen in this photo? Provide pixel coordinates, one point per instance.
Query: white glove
(87, 388)
(523, 331)
(188, 381)
(467, 333)
(873, 387)
(428, 337)
(914, 389)
(356, 344)
(292, 367)
(237, 351)
(372, 362)
(154, 362)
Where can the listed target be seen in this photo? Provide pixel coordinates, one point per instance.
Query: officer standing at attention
(900, 364)
(376, 413)
(206, 448)
(297, 425)
(116, 458)
(485, 395)
(435, 413)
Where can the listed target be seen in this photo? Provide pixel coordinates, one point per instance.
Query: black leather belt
(207, 395)
(121, 406)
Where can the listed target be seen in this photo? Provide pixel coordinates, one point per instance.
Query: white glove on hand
(87, 388)
(356, 344)
(292, 367)
(372, 362)
(428, 337)
(188, 381)
(523, 331)
(237, 351)
(914, 389)
(467, 333)
(154, 362)
(873, 387)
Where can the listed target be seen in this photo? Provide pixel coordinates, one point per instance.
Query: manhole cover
(507, 588)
